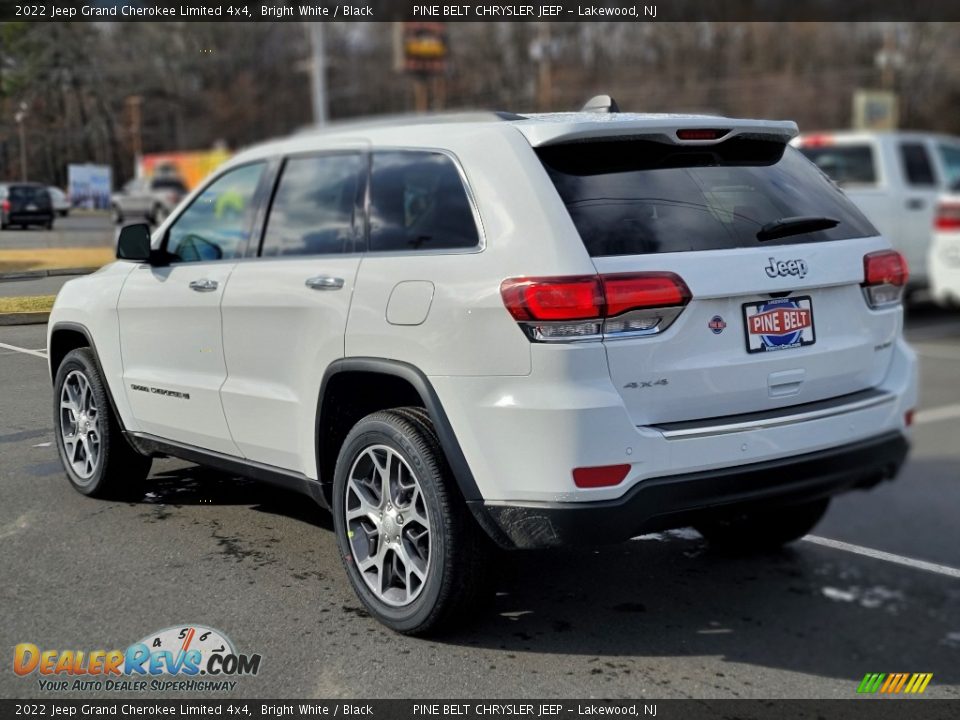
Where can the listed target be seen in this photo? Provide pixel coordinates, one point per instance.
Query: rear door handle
(916, 204)
(324, 282)
(203, 285)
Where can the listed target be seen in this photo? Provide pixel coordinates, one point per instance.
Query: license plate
(31, 208)
(778, 324)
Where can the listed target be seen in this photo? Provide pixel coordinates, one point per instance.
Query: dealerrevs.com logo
(181, 658)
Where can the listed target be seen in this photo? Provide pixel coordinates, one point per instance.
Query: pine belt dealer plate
(778, 324)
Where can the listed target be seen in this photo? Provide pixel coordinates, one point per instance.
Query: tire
(158, 215)
(449, 579)
(102, 463)
(764, 530)
(49, 225)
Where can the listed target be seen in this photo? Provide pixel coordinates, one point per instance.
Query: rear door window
(847, 165)
(638, 197)
(419, 202)
(317, 209)
(917, 168)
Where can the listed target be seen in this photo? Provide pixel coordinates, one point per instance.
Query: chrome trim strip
(688, 430)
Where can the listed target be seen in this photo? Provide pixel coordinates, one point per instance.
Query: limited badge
(717, 324)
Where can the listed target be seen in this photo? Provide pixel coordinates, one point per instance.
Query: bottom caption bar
(912, 709)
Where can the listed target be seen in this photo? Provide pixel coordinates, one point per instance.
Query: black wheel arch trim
(419, 381)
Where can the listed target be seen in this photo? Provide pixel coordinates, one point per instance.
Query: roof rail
(601, 104)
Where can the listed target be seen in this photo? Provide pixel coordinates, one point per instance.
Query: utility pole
(20, 117)
(135, 103)
(544, 71)
(318, 73)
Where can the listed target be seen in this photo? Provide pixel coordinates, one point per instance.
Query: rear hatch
(29, 200)
(772, 255)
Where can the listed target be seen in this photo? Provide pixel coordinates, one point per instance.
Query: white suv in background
(895, 178)
(508, 330)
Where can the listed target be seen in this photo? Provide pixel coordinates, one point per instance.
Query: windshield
(637, 196)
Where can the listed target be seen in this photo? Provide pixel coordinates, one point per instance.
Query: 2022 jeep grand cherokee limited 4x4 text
(520, 331)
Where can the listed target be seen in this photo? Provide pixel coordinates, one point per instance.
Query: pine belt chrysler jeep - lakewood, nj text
(459, 333)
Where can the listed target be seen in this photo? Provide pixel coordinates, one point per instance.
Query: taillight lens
(948, 216)
(566, 298)
(6, 206)
(586, 307)
(885, 275)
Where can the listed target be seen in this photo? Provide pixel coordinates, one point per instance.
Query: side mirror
(134, 243)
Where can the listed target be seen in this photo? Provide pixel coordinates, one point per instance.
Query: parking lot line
(25, 351)
(944, 412)
(885, 556)
(937, 351)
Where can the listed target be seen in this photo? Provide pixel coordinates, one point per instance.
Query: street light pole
(20, 117)
(318, 73)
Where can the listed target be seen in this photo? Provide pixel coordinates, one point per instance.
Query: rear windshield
(636, 196)
(845, 164)
(29, 193)
(168, 184)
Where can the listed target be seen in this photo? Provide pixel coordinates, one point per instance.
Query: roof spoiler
(601, 104)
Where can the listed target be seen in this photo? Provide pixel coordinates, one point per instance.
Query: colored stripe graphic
(895, 683)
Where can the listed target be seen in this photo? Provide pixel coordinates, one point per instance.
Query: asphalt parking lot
(659, 617)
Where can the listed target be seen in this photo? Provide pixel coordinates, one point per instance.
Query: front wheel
(97, 458)
(413, 553)
(764, 529)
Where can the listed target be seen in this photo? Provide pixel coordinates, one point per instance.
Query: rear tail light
(5, 206)
(948, 216)
(885, 275)
(587, 307)
(603, 476)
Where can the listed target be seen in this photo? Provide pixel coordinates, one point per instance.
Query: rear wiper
(787, 226)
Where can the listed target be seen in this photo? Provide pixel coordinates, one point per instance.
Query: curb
(24, 318)
(53, 272)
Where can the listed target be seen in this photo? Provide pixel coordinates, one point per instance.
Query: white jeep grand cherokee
(523, 331)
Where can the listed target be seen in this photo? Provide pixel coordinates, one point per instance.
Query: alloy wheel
(387, 524)
(80, 426)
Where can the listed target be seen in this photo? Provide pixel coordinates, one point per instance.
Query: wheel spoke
(80, 426)
(388, 525)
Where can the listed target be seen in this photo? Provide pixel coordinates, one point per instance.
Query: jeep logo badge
(782, 268)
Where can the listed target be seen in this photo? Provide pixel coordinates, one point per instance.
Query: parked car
(24, 204)
(525, 331)
(147, 198)
(61, 203)
(895, 178)
(944, 258)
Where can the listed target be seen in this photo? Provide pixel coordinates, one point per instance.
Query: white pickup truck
(895, 178)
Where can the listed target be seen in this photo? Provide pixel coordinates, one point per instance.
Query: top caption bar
(468, 11)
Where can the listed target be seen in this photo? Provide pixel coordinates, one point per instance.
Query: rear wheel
(97, 458)
(764, 529)
(413, 553)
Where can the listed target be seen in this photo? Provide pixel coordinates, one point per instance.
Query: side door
(170, 325)
(921, 189)
(285, 313)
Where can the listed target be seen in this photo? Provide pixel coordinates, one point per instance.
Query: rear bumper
(28, 218)
(660, 503)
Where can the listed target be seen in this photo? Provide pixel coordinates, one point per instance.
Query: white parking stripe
(946, 412)
(25, 351)
(937, 351)
(885, 556)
